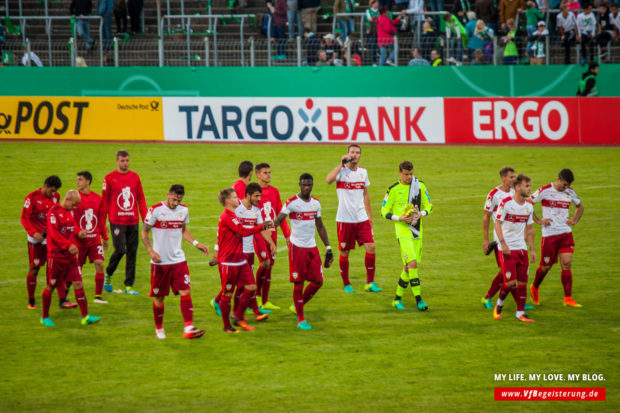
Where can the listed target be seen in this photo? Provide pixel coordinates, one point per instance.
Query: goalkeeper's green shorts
(410, 249)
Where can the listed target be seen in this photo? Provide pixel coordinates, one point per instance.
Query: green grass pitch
(362, 355)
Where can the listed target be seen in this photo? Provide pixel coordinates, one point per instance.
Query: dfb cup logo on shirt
(125, 199)
(88, 221)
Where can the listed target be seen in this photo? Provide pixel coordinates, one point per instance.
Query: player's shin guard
(504, 291)
(403, 283)
(225, 308)
(567, 282)
(187, 310)
(520, 296)
(369, 261)
(61, 289)
(99, 279)
(298, 300)
(80, 297)
(158, 315)
(414, 281)
(344, 270)
(46, 299)
(253, 303)
(540, 276)
(31, 285)
(237, 296)
(496, 284)
(310, 290)
(244, 300)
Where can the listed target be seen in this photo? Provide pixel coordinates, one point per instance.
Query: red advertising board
(599, 120)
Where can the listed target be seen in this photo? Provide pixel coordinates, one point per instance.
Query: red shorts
(554, 245)
(250, 257)
(63, 270)
(305, 264)
(37, 254)
(93, 252)
(235, 276)
(498, 252)
(515, 265)
(261, 249)
(349, 232)
(170, 275)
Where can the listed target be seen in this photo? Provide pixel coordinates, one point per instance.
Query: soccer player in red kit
(87, 215)
(514, 224)
(354, 217)
(235, 272)
(122, 200)
(245, 176)
(169, 220)
(62, 257)
(304, 259)
(270, 206)
(34, 221)
(557, 236)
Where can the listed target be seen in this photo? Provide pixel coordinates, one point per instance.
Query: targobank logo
(307, 120)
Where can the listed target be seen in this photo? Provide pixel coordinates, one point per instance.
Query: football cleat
(160, 333)
(270, 306)
(47, 322)
(215, 306)
(230, 330)
(534, 294)
(422, 306)
(107, 284)
(497, 312)
(194, 333)
(292, 309)
(32, 304)
(303, 325)
(264, 310)
(99, 300)
(491, 247)
(372, 288)
(398, 304)
(261, 316)
(90, 319)
(525, 318)
(130, 291)
(568, 301)
(65, 305)
(348, 289)
(528, 307)
(486, 303)
(243, 324)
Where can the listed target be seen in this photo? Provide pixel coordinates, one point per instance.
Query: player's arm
(386, 209)
(500, 237)
(367, 205)
(286, 230)
(281, 218)
(105, 201)
(333, 175)
(53, 233)
(529, 238)
(243, 231)
(486, 218)
(320, 227)
(25, 218)
(577, 217)
(541, 221)
(144, 234)
(141, 200)
(426, 204)
(187, 236)
(266, 234)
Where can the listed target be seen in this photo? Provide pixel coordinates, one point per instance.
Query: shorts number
(100, 250)
(187, 279)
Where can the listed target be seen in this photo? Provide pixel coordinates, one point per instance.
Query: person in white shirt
(32, 61)
(586, 23)
(566, 23)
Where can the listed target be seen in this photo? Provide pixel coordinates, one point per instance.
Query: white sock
(188, 328)
(500, 302)
(520, 313)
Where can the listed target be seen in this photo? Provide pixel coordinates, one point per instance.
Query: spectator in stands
(586, 23)
(386, 3)
(615, 20)
(487, 11)
(279, 29)
(470, 26)
(538, 50)
(587, 85)
(460, 9)
(79, 9)
(567, 25)
(400, 5)
(454, 38)
(105, 9)
(322, 58)
(477, 58)
(345, 24)
(508, 9)
(415, 10)
(606, 30)
(511, 54)
(435, 58)
(134, 7)
(372, 16)
(480, 38)
(386, 28)
(293, 16)
(417, 59)
(30, 59)
(120, 14)
(2, 39)
(437, 6)
(332, 50)
(532, 16)
(312, 44)
(80, 62)
(309, 10)
(574, 6)
(430, 39)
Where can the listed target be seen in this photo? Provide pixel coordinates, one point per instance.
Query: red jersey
(87, 217)
(34, 212)
(61, 228)
(122, 198)
(239, 188)
(270, 206)
(230, 233)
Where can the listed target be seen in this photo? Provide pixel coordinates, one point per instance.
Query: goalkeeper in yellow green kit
(407, 203)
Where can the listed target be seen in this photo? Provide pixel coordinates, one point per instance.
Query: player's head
(71, 200)
(523, 185)
(51, 184)
(507, 174)
(306, 182)
(405, 169)
(355, 153)
(263, 172)
(122, 160)
(175, 195)
(245, 169)
(228, 198)
(565, 179)
(253, 193)
(84, 179)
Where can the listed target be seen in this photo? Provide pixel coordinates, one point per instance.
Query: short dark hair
(177, 189)
(405, 165)
(52, 181)
(245, 169)
(383, 9)
(592, 66)
(86, 175)
(122, 154)
(305, 176)
(260, 166)
(252, 188)
(522, 178)
(224, 195)
(566, 175)
(354, 145)
(505, 171)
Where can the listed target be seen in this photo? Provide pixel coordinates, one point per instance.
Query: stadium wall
(466, 105)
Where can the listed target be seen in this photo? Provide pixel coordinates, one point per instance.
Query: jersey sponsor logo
(304, 216)
(517, 218)
(89, 221)
(168, 224)
(125, 199)
(349, 185)
(248, 221)
(556, 204)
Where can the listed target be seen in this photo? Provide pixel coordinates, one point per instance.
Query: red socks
(310, 290)
(260, 279)
(244, 300)
(540, 276)
(521, 296)
(187, 309)
(253, 303)
(47, 302)
(567, 282)
(158, 315)
(225, 309)
(496, 284)
(80, 297)
(31, 285)
(99, 278)
(298, 300)
(266, 285)
(369, 261)
(344, 270)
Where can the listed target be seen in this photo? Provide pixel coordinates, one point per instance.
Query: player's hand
(505, 249)
(81, 234)
(485, 246)
(268, 224)
(203, 248)
(154, 256)
(329, 258)
(571, 221)
(73, 250)
(406, 218)
(345, 159)
(105, 244)
(545, 222)
(533, 257)
(213, 261)
(38, 236)
(288, 242)
(273, 249)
